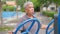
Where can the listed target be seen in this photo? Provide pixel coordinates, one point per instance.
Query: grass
(5, 28)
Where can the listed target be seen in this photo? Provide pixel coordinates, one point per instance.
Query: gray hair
(26, 4)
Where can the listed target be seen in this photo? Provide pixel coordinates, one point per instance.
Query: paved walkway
(43, 20)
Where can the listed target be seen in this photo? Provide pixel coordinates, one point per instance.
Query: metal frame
(29, 28)
(51, 22)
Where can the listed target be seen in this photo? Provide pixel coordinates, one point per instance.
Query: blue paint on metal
(59, 20)
(51, 22)
(51, 30)
(27, 21)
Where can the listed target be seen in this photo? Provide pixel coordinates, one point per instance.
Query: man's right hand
(10, 32)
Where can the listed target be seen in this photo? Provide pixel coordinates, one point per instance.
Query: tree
(19, 3)
(1, 20)
(57, 2)
(38, 4)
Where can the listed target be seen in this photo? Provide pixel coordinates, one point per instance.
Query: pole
(16, 9)
(1, 20)
(59, 20)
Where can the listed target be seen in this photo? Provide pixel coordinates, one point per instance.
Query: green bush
(22, 9)
(4, 8)
(49, 14)
(10, 8)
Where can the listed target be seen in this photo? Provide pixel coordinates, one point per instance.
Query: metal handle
(52, 21)
(27, 21)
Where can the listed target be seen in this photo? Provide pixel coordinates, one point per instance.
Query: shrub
(10, 8)
(49, 14)
(4, 8)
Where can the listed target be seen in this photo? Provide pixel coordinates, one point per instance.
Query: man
(29, 9)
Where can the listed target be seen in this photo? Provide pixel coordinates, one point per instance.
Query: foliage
(20, 2)
(37, 3)
(57, 2)
(49, 14)
(6, 7)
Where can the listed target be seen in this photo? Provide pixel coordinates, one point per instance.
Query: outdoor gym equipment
(56, 22)
(35, 20)
(59, 20)
(51, 22)
(28, 29)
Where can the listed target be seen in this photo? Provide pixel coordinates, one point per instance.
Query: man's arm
(45, 26)
(11, 32)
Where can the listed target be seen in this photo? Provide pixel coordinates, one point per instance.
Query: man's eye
(31, 7)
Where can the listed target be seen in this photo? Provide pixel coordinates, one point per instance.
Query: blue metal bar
(27, 30)
(52, 21)
(51, 30)
(59, 21)
(17, 29)
(38, 26)
(27, 21)
(32, 26)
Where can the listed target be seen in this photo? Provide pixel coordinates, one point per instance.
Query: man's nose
(32, 8)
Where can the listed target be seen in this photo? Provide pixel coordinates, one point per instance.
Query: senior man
(29, 10)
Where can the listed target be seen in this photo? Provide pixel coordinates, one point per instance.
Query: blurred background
(12, 10)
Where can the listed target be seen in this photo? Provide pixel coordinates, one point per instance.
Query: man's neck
(30, 16)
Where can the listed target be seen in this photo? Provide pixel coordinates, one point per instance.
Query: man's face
(30, 9)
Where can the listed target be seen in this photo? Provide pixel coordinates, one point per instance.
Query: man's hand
(45, 26)
(10, 32)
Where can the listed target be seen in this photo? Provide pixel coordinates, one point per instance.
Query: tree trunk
(41, 8)
(56, 6)
(16, 9)
(1, 20)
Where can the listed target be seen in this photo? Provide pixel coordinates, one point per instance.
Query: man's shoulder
(23, 17)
